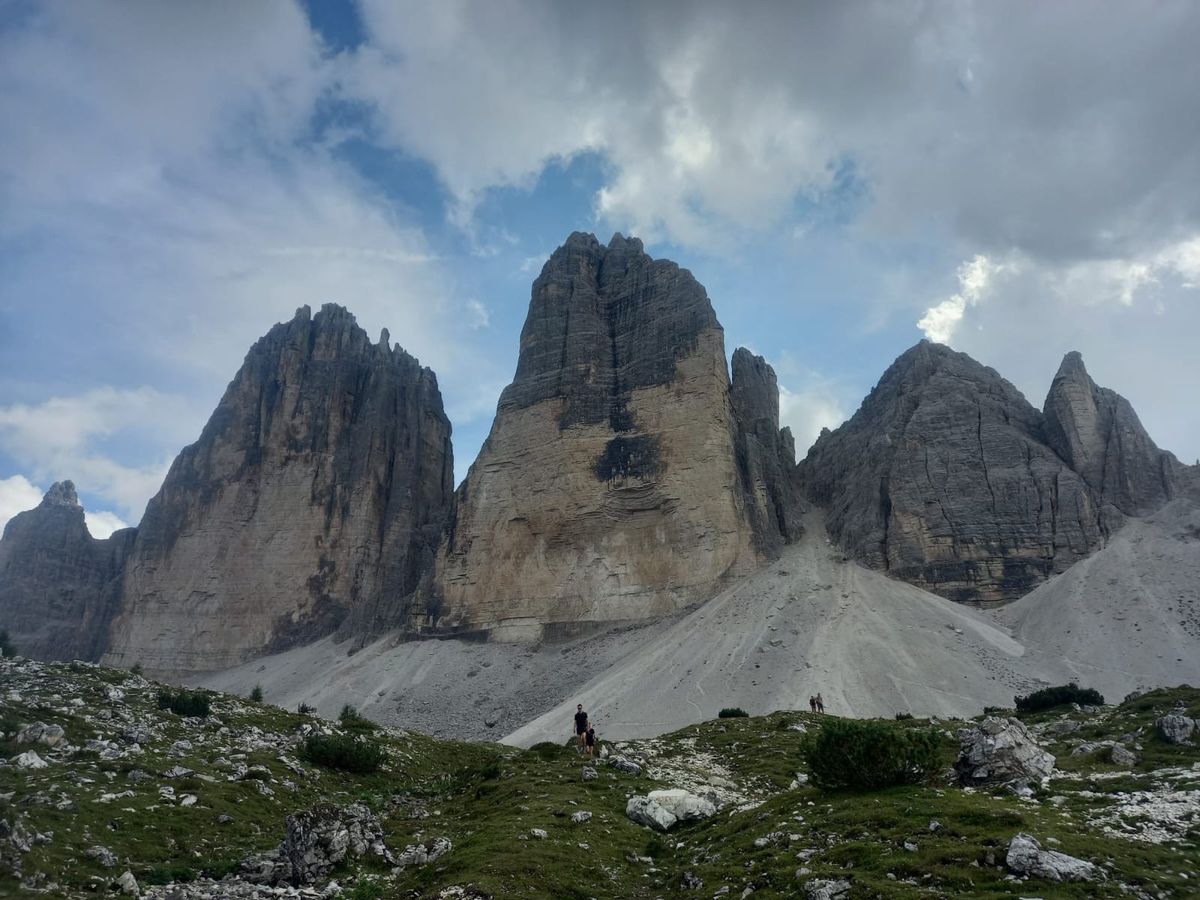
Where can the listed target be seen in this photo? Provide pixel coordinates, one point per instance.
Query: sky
(1015, 180)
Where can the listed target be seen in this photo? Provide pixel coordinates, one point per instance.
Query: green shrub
(365, 888)
(304, 709)
(352, 720)
(6, 646)
(256, 695)
(903, 716)
(847, 754)
(347, 752)
(732, 712)
(1002, 711)
(1048, 698)
(190, 704)
(549, 750)
(137, 669)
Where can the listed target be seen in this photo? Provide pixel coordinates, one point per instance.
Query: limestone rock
(317, 841)
(59, 586)
(41, 733)
(826, 889)
(608, 488)
(645, 811)
(1100, 436)
(317, 491)
(942, 478)
(999, 751)
(29, 760)
(128, 884)
(1177, 729)
(425, 852)
(766, 454)
(683, 805)
(1026, 857)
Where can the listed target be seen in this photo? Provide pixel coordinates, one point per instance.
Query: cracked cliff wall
(608, 488)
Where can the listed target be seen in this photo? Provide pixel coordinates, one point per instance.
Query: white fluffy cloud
(102, 524)
(17, 494)
(807, 410)
(941, 320)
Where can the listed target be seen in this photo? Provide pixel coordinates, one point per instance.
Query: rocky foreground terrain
(104, 793)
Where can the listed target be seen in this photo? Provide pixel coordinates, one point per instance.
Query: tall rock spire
(317, 491)
(608, 488)
(1100, 436)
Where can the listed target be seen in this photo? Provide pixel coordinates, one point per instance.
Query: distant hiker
(820, 704)
(590, 740)
(581, 725)
(812, 703)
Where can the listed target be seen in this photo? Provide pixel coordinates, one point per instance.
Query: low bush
(347, 752)
(352, 720)
(256, 695)
(903, 716)
(1002, 711)
(190, 704)
(1048, 698)
(847, 754)
(732, 712)
(305, 710)
(6, 646)
(549, 750)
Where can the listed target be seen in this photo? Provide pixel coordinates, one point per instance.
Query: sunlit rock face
(316, 494)
(609, 487)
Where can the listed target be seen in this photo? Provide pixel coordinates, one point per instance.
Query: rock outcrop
(766, 454)
(1100, 436)
(317, 491)
(1000, 751)
(609, 487)
(59, 586)
(943, 479)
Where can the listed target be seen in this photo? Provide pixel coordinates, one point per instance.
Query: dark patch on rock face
(59, 586)
(629, 457)
(766, 455)
(943, 478)
(1100, 436)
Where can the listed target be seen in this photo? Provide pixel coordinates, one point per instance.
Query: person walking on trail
(590, 740)
(820, 704)
(812, 703)
(581, 725)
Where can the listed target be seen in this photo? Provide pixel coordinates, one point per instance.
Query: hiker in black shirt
(590, 739)
(581, 725)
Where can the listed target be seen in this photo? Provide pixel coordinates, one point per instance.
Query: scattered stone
(998, 751)
(1119, 756)
(692, 881)
(1026, 857)
(580, 817)
(910, 847)
(102, 855)
(40, 733)
(315, 842)
(645, 811)
(935, 825)
(1176, 729)
(624, 764)
(424, 852)
(539, 833)
(178, 772)
(826, 889)
(589, 774)
(683, 805)
(29, 760)
(128, 884)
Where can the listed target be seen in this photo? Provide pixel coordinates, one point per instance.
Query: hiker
(581, 725)
(590, 740)
(812, 703)
(820, 703)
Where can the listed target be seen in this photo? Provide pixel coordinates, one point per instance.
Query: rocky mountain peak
(609, 487)
(1100, 436)
(62, 493)
(316, 492)
(943, 478)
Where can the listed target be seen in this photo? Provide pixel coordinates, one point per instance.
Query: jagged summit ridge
(943, 478)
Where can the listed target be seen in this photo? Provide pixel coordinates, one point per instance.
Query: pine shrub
(190, 704)
(6, 646)
(256, 695)
(848, 754)
(352, 720)
(1048, 698)
(347, 752)
(732, 712)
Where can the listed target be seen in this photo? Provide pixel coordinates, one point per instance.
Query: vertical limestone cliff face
(943, 478)
(608, 488)
(59, 585)
(1100, 436)
(317, 491)
(766, 455)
